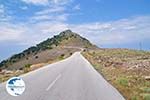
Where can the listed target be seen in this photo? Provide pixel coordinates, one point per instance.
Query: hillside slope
(127, 70)
(50, 49)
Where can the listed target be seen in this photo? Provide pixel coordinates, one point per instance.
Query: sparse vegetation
(49, 51)
(27, 68)
(36, 57)
(62, 56)
(124, 69)
(134, 98)
(67, 38)
(71, 53)
(123, 81)
(146, 96)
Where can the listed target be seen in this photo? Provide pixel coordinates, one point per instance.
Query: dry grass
(42, 57)
(118, 67)
(59, 55)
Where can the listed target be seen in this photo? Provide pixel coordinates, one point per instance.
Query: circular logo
(15, 86)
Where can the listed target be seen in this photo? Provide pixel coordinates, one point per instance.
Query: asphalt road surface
(71, 79)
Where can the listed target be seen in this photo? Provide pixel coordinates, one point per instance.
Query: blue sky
(106, 23)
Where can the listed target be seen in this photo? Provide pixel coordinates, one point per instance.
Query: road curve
(71, 79)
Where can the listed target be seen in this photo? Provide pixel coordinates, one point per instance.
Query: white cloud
(76, 7)
(51, 27)
(3, 15)
(57, 9)
(42, 17)
(47, 2)
(24, 8)
(55, 13)
(1, 9)
(60, 2)
(36, 2)
(116, 32)
(10, 32)
(50, 17)
(29, 34)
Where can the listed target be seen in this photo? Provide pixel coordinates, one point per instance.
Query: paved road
(71, 79)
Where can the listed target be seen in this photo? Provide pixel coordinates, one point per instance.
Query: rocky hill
(52, 48)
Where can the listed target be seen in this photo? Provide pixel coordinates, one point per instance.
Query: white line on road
(50, 86)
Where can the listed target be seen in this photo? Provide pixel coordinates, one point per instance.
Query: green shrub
(62, 55)
(71, 53)
(36, 57)
(123, 81)
(147, 97)
(27, 66)
(146, 89)
(134, 98)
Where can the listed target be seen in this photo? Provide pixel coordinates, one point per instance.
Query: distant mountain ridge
(65, 38)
